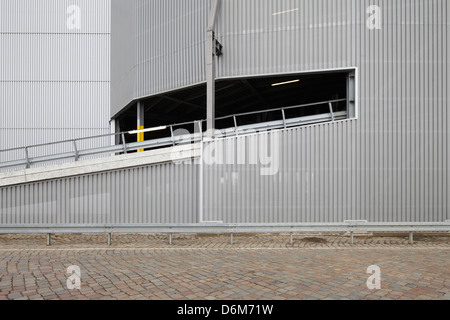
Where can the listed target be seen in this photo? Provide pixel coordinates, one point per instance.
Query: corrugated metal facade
(322, 177)
(165, 193)
(54, 82)
(389, 164)
(158, 46)
(162, 43)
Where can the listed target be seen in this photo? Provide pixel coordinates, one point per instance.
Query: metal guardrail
(172, 140)
(232, 229)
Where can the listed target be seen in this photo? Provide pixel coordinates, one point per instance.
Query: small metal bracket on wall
(218, 46)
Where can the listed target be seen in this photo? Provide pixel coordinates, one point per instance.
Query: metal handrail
(166, 142)
(281, 109)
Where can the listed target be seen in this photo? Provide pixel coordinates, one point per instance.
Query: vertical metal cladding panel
(265, 36)
(50, 16)
(123, 53)
(122, 197)
(50, 57)
(157, 46)
(41, 112)
(170, 44)
(391, 164)
(54, 105)
(54, 82)
(316, 181)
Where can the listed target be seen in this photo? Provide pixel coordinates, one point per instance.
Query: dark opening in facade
(305, 98)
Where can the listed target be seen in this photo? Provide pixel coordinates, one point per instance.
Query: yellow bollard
(140, 137)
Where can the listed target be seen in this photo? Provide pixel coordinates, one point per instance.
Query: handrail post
(28, 165)
(171, 134)
(76, 150)
(200, 127)
(284, 117)
(124, 143)
(331, 111)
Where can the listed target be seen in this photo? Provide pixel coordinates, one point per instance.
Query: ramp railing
(76, 153)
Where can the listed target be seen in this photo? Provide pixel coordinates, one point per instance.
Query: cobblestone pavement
(203, 267)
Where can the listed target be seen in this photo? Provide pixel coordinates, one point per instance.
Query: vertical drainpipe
(140, 122)
(210, 94)
(211, 70)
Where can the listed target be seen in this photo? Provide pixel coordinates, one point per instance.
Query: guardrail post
(231, 238)
(292, 239)
(49, 239)
(170, 238)
(109, 239)
(351, 237)
(411, 239)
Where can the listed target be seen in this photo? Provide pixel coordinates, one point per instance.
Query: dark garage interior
(237, 96)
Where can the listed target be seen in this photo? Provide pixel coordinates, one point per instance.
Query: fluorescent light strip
(283, 12)
(287, 82)
(147, 130)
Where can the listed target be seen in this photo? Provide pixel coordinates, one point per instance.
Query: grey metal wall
(54, 82)
(157, 46)
(322, 176)
(123, 52)
(165, 193)
(389, 164)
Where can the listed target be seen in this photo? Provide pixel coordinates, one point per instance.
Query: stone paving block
(334, 270)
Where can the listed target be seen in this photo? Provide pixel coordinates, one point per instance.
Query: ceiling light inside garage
(283, 12)
(283, 83)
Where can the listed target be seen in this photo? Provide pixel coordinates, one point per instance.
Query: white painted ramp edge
(82, 167)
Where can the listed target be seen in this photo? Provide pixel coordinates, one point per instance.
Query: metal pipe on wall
(210, 70)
